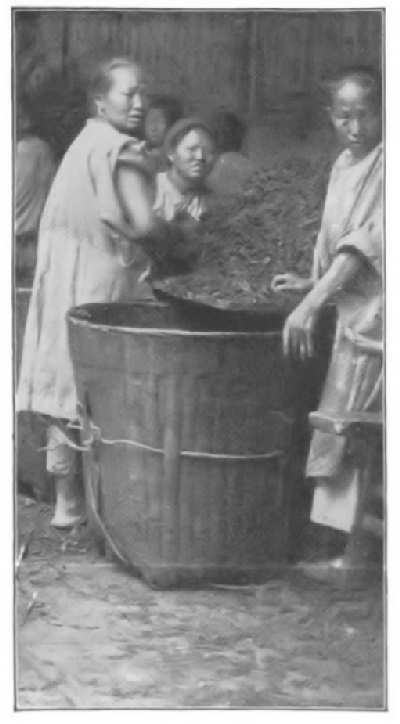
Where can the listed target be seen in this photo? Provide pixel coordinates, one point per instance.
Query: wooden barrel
(187, 428)
(30, 463)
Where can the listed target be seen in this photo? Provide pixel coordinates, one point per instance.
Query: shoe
(322, 543)
(332, 570)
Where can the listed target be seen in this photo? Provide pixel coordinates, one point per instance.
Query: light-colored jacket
(79, 261)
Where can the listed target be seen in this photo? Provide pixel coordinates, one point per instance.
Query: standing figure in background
(232, 169)
(163, 112)
(94, 240)
(347, 272)
(34, 171)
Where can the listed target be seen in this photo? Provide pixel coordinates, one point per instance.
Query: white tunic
(79, 261)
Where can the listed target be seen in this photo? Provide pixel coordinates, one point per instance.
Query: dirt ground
(90, 635)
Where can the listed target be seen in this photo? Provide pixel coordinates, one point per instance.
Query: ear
(170, 156)
(98, 103)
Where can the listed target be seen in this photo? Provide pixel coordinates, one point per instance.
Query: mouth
(135, 117)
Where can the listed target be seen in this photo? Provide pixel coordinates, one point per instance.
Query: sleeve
(365, 235)
(322, 255)
(103, 169)
(365, 230)
(367, 241)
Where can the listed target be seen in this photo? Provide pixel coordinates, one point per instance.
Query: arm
(136, 199)
(343, 269)
(299, 326)
(363, 343)
(165, 243)
(290, 282)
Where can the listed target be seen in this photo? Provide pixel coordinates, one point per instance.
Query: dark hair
(171, 107)
(181, 128)
(100, 79)
(229, 130)
(366, 76)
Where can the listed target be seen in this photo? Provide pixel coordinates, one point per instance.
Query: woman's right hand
(290, 282)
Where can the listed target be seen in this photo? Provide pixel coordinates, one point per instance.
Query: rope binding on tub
(96, 437)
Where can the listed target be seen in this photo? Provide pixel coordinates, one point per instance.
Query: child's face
(356, 118)
(124, 104)
(194, 156)
(155, 126)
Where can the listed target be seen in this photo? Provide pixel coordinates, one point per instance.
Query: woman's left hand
(298, 332)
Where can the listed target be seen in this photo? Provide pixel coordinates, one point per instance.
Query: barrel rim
(159, 332)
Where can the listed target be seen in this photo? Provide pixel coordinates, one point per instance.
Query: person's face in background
(356, 117)
(124, 104)
(155, 126)
(194, 156)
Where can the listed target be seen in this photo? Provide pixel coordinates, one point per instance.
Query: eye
(131, 92)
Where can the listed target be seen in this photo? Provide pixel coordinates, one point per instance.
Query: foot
(332, 570)
(63, 521)
(322, 544)
(69, 505)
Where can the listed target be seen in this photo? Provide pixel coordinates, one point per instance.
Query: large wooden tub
(187, 425)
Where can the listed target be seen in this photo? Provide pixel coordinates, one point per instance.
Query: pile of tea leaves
(247, 239)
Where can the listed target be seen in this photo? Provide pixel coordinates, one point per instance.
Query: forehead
(196, 136)
(126, 77)
(352, 93)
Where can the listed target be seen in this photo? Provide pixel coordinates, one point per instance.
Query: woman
(34, 171)
(347, 271)
(182, 198)
(191, 152)
(92, 248)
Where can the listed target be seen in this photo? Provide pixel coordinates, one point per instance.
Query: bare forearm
(341, 272)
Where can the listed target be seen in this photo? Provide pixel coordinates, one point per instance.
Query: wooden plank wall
(248, 61)
(294, 53)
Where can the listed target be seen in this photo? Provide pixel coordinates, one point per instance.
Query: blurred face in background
(124, 104)
(356, 117)
(155, 126)
(193, 156)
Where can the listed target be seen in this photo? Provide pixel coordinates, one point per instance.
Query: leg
(62, 464)
(336, 499)
(358, 549)
(333, 511)
(343, 508)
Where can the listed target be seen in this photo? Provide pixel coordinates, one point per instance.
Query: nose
(199, 154)
(138, 101)
(354, 127)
